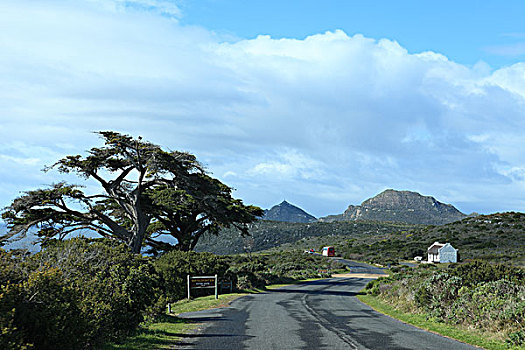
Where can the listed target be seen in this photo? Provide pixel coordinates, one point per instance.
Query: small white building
(442, 253)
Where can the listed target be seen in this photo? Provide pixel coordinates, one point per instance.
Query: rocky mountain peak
(392, 199)
(287, 212)
(402, 206)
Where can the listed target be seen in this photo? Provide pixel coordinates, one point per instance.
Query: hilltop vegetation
(270, 234)
(497, 238)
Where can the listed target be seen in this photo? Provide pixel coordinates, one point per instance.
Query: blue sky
(322, 103)
(465, 31)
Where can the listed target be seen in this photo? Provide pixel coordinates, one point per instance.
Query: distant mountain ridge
(265, 234)
(288, 213)
(27, 242)
(400, 206)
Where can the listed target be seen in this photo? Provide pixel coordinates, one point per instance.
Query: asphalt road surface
(322, 314)
(356, 267)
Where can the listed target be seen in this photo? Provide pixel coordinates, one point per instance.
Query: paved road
(323, 314)
(356, 267)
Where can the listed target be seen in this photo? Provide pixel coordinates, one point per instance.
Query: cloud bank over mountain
(323, 121)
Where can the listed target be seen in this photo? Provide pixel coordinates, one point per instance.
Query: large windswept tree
(145, 191)
(187, 211)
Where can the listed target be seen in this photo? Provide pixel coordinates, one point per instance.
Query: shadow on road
(317, 292)
(205, 319)
(212, 335)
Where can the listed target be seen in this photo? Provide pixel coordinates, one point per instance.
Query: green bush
(372, 287)
(516, 338)
(48, 312)
(423, 296)
(480, 295)
(115, 286)
(174, 266)
(77, 293)
(10, 336)
(249, 273)
(257, 271)
(10, 297)
(478, 271)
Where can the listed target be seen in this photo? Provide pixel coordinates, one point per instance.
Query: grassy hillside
(270, 234)
(497, 237)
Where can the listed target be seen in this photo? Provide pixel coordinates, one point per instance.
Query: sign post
(189, 293)
(196, 282)
(216, 288)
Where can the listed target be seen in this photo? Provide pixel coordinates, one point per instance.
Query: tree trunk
(142, 222)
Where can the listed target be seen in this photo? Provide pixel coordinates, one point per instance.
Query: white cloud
(21, 161)
(515, 172)
(229, 174)
(163, 7)
(510, 79)
(512, 50)
(330, 119)
(291, 165)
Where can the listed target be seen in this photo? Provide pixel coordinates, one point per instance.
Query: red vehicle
(328, 251)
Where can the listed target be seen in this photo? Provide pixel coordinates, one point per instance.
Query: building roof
(436, 245)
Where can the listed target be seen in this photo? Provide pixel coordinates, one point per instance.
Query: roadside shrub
(479, 271)
(249, 280)
(10, 336)
(372, 287)
(249, 274)
(396, 269)
(48, 312)
(256, 271)
(516, 338)
(173, 267)
(115, 302)
(74, 294)
(296, 263)
(10, 297)
(495, 303)
(115, 287)
(13, 268)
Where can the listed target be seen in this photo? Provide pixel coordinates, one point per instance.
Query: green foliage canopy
(204, 206)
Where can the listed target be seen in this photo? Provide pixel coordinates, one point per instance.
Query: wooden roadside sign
(195, 282)
(204, 282)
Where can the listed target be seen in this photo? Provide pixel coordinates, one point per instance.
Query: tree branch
(115, 183)
(103, 182)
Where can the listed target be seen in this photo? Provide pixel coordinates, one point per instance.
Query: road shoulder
(467, 336)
